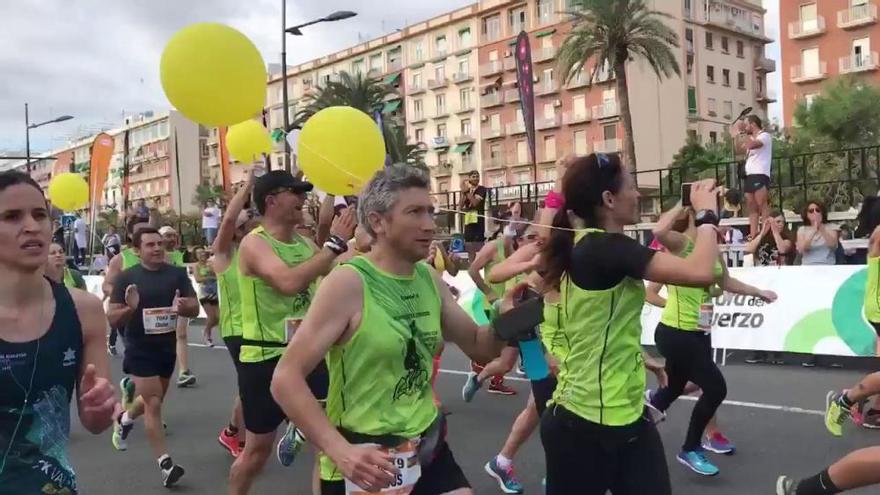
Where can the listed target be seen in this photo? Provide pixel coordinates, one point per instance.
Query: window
(441, 130)
(713, 137)
(442, 158)
(549, 111)
(727, 109)
(724, 45)
(464, 66)
(740, 49)
(495, 122)
(809, 17)
(549, 148)
(725, 77)
(417, 109)
(810, 62)
(417, 80)
(690, 63)
(440, 45)
(464, 38)
(523, 177)
(710, 73)
(357, 67)
(522, 152)
(420, 135)
(495, 151)
(861, 53)
(579, 106)
(545, 11)
(709, 41)
(465, 98)
(517, 20)
(609, 132)
(443, 186)
(741, 80)
(465, 127)
(419, 51)
(492, 27)
(440, 104)
(692, 100)
(439, 72)
(548, 174)
(712, 107)
(809, 98)
(547, 80)
(689, 39)
(692, 134)
(376, 62)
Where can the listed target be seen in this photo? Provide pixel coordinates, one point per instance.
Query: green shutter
(548, 32)
(391, 79)
(391, 106)
(692, 99)
(462, 148)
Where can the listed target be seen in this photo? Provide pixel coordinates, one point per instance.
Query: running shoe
(835, 414)
(171, 475)
(786, 486)
(718, 444)
(290, 445)
(186, 379)
(857, 414)
(755, 358)
(126, 385)
(871, 419)
(471, 385)
(506, 479)
(501, 389)
(229, 442)
(697, 462)
(657, 416)
(120, 434)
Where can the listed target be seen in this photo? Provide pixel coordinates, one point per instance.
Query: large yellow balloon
(213, 74)
(248, 141)
(68, 191)
(340, 149)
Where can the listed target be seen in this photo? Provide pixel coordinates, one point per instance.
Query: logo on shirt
(415, 378)
(69, 358)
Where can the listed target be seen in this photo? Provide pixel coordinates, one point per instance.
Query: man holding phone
(758, 145)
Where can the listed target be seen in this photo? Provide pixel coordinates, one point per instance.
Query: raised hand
(97, 397)
(343, 226)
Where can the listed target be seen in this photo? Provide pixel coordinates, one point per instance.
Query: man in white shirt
(210, 222)
(80, 236)
(756, 184)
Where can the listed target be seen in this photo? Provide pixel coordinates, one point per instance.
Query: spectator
(756, 184)
(80, 237)
(210, 221)
(473, 204)
(732, 204)
(817, 240)
(111, 242)
(139, 213)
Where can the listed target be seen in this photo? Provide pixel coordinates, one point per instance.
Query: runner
(51, 340)
(597, 435)
(59, 272)
(171, 241)
(683, 337)
(234, 225)
(116, 265)
(147, 299)
(278, 273)
(380, 317)
(207, 280)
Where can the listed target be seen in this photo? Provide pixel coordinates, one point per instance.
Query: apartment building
(822, 39)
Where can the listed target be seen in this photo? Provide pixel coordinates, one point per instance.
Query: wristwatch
(704, 217)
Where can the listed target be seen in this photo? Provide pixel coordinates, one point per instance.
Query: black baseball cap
(275, 181)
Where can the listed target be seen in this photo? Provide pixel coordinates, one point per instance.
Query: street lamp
(296, 31)
(27, 133)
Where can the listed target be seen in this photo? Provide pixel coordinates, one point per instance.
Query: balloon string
(358, 180)
(507, 220)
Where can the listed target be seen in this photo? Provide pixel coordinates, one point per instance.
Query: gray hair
(380, 194)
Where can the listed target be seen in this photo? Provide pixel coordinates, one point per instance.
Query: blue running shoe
(471, 385)
(697, 462)
(290, 445)
(718, 444)
(505, 477)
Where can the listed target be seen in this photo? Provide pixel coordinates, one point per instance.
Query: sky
(99, 60)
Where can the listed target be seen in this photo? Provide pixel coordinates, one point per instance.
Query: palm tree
(610, 34)
(400, 150)
(359, 91)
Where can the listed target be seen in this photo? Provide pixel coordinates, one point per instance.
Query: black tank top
(36, 459)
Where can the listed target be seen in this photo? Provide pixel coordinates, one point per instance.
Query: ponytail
(557, 251)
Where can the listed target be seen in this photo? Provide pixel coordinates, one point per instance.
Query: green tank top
(380, 380)
(129, 258)
(500, 256)
(230, 299)
(602, 377)
(266, 314)
(176, 258)
(872, 291)
(682, 309)
(73, 280)
(554, 341)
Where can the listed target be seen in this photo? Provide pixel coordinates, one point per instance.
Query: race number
(707, 310)
(158, 321)
(406, 459)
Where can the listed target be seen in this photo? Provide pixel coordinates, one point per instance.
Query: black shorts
(146, 362)
(233, 345)
(753, 183)
(475, 232)
(209, 300)
(441, 476)
(261, 413)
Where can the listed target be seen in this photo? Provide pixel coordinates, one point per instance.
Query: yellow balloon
(68, 191)
(248, 141)
(340, 149)
(213, 74)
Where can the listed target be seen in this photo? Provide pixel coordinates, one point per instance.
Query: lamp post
(27, 133)
(296, 31)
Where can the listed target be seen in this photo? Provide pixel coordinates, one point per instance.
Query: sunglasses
(814, 210)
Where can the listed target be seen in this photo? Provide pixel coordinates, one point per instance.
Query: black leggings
(585, 458)
(542, 390)
(689, 358)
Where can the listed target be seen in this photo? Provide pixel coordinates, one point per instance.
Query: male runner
(378, 320)
(277, 277)
(51, 340)
(234, 225)
(148, 299)
(171, 241)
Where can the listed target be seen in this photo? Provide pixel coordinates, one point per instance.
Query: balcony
(438, 83)
(764, 64)
(520, 160)
(441, 113)
(394, 66)
(459, 78)
(544, 54)
(817, 74)
(491, 100)
(465, 107)
(544, 123)
(494, 162)
(440, 55)
(418, 118)
(509, 64)
(608, 146)
(469, 165)
(738, 24)
(439, 142)
(858, 16)
(492, 68)
(415, 88)
(765, 96)
(442, 169)
(802, 28)
(493, 132)
(576, 117)
(858, 63)
(511, 95)
(514, 128)
(581, 81)
(464, 138)
(546, 88)
(604, 75)
(606, 111)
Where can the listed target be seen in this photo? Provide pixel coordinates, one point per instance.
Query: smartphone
(686, 194)
(527, 295)
(519, 323)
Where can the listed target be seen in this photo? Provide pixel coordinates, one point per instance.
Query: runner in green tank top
(597, 415)
(278, 270)
(683, 337)
(379, 319)
(175, 257)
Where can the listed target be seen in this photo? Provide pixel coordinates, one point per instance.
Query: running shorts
(147, 362)
(441, 476)
(261, 413)
(755, 182)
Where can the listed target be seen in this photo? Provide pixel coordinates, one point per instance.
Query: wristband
(554, 200)
(337, 245)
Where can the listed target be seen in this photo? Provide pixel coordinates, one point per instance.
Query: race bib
(470, 217)
(707, 310)
(290, 326)
(159, 321)
(405, 458)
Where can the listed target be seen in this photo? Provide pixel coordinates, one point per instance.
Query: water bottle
(532, 353)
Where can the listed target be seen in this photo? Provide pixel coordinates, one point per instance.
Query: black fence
(838, 178)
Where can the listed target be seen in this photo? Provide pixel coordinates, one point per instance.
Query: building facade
(822, 39)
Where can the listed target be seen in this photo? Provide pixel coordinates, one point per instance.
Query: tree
(359, 91)
(400, 150)
(846, 114)
(610, 34)
(207, 192)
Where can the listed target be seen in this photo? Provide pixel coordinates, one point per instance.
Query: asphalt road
(773, 415)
